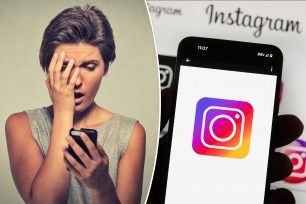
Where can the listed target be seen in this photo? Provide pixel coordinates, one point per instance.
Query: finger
(74, 78)
(79, 151)
(72, 164)
(102, 151)
(281, 196)
(289, 128)
(66, 73)
(57, 69)
(51, 68)
(166, 104)
(281, 167)
(90, 146)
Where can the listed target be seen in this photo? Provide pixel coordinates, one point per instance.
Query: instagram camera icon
(296, 151)
(222, 128)
(166, 76)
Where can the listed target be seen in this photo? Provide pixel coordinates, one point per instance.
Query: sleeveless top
(114, 136)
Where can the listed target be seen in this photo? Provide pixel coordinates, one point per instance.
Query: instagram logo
(166, 76)
(296, 151)
(222, 128)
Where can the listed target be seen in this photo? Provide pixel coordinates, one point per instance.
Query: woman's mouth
(78, 98)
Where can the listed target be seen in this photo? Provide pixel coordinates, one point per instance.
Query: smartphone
(221, 128)
(75, 134)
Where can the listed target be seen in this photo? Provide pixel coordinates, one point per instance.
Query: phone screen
(226, 99)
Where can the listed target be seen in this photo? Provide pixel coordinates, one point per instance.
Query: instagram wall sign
(222, 128)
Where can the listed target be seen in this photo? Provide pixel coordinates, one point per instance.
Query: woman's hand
(95, 172)
(61, 83)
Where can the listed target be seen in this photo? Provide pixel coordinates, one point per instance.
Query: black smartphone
(75, 134)
(221, 128)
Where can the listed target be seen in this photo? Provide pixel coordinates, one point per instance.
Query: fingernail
(55, 55)
(62, 53)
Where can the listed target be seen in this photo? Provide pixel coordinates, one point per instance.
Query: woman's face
(88, 58)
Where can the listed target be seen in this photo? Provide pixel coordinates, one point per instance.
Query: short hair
(76, 25)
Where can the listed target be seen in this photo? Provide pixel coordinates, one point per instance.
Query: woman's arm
(131, 166)
(24, 153)
(37, 179)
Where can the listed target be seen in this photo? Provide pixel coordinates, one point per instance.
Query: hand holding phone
(75, 134)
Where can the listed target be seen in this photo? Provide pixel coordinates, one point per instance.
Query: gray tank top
(114, 136)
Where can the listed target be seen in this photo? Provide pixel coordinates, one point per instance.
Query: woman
(76, 51)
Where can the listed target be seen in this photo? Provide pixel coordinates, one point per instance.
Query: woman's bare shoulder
(14, 119)
(19, 116)
(139, 129)
(17, 123)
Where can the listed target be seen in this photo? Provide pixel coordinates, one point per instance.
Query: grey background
(130, 88)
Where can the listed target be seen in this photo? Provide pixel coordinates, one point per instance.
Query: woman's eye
(90, 68)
